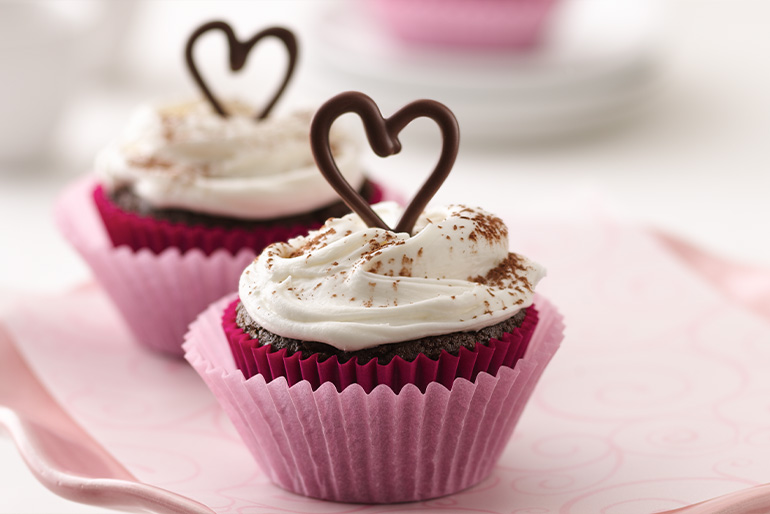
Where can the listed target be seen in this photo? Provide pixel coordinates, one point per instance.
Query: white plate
(597, 64)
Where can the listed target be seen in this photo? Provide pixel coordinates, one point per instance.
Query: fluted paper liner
(252, 358)
(379, 447)
(139, 232)
(158, 295)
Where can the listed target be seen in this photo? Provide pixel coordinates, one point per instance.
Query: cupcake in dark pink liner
(182, 176)
(355, 304)
(365, 364)
(191, 192)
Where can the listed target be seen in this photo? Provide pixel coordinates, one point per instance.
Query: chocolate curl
(239, 51)
(382, 134)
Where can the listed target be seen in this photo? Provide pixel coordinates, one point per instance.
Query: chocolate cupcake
(352, 292)
(367, 364)
(183, 176)
(212, 175)
(192, 191)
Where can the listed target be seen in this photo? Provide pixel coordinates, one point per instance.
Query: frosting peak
(353, 287)
(186, 156)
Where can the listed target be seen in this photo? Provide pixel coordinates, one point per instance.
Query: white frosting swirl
(355, 287)
(186, 156)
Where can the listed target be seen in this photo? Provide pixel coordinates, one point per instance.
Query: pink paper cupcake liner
(252, 358)
(138, 232)
(494, 24)
(376, 447)
(158, 295)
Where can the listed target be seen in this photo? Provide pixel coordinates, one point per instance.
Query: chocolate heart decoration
(239, 51)
(382, 134)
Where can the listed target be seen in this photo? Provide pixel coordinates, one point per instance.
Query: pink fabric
(63, 456)
(489, 24)
(657, 399)
(747, 285)
(138, 232)
(375, 447)
(252, 358)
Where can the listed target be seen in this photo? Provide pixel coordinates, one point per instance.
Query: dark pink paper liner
(252, 358)
(137, 232)
(376, 447)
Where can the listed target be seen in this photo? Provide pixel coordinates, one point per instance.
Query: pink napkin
(747, 285)
(658, 398)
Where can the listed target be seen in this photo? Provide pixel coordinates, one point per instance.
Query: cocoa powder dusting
(406, 266)
(488, 226)
(313, 243)
(501, 276)
(150, 162)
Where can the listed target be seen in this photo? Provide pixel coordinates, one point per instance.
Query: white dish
(597, 65)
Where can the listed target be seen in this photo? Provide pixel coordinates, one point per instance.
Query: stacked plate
(596, 64)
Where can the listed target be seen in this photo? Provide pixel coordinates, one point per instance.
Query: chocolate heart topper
(382, 134)
(239, 51)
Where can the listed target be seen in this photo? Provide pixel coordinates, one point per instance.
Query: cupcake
(361, 363)
(192, 191)
(183, 176)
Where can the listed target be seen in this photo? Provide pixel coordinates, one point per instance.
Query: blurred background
(652, 113)
(643, 111)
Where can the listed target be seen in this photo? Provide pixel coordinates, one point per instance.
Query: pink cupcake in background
(480, 24)
(185, 197)
(181, 176)
(361, 363)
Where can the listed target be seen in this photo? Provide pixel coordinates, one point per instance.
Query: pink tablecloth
(658, 398)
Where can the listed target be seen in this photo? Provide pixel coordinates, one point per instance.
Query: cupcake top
(186, 156)
(354, 287)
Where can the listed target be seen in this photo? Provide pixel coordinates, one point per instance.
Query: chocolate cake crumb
(127, 200)
(431, 346)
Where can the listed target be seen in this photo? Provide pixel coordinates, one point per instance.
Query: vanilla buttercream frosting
(185, 156)
(355, 287)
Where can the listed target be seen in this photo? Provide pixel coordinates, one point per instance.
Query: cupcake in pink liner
(182, 176)
(472, 24)
(361, 363)
(192, 191)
